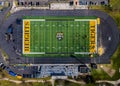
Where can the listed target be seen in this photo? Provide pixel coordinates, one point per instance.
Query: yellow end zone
(92, 36)
(26, 36)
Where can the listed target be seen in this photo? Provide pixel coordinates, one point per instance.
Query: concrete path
(115, 83)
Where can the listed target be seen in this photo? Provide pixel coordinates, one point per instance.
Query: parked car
(7, 69)
(1, 10)
(19, 76)
(93, 65)
(18, 21)
(12, 73)
(2, 66)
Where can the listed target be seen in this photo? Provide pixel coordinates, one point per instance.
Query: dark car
(10, 29)
(89, 79)
(3, 67)
(7, 68)
(18, 21)
(1, 10)
(10, 26)
(12, 73)
(93, 65)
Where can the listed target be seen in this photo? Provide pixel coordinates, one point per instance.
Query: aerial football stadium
(63, 36)
(60, 37)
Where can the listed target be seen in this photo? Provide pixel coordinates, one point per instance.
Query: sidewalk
(15, 9)
(115, 83)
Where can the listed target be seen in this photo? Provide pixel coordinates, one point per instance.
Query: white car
(109, 38)
(1, 65)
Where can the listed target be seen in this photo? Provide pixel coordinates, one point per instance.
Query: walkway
(115, 83)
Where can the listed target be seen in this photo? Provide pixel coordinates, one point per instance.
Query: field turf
(56, 36)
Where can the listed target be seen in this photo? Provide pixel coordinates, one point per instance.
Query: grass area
(115, 4)
(116, 63)
(4, 54)
(99, 74)
(16, 2)
(65, 83)
(96, 7)
(35, 84)
(4, 74)
(6, 4)
(1, 7)
(8, 83)
(116, 17)
(90, 84)
(8, 14)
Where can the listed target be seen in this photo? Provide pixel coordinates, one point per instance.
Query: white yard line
(37, 53)
(96, 37)
(23, 38)
(84, 19)
(35, 19)
(81, 52)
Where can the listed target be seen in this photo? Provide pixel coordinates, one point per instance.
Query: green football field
(54, 36)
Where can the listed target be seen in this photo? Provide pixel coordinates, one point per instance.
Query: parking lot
(33, 3)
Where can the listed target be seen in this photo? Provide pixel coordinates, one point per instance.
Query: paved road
(2, 19)
(4, 12)
(107, 28)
